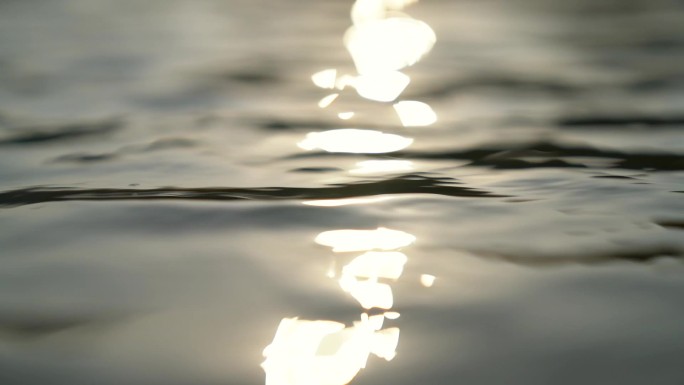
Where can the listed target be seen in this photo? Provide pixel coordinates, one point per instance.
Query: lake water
(159, 216)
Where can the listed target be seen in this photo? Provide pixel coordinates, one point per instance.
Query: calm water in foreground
(156, 215)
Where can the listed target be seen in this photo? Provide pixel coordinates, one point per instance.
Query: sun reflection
(388, 44)
(427, 280)
(414, 114)
(320, 352)
(377, 264)
(381, 86)
(325, 352)
(325, 78)
(353, 140)
(364, 240)
(346, 115)
(360, 278)
(326, 101)
(382, 41)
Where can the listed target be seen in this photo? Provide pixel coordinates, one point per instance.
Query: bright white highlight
(325, 352)
(377, 264)
(325, 78)
(364, 240)
(369, 294)
(360, 278)
(326, 101)
(352, 140)
(368, 10)
(381, 86)
(415, 114)
(391, 315)
(388, 44)
(427, 280)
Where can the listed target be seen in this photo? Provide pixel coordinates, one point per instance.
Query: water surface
(157, 216)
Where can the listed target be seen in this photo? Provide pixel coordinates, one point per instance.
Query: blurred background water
(152, 190)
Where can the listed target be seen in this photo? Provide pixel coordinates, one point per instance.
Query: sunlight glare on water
(364, 240)
(381, 86)
(381, 42)
(327, 100)
(388, 44)
(353, 140)
(415, 114)
(325, 78)
(326, 352)
(427, 280)
(360, 278)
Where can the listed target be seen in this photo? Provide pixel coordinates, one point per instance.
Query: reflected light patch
(377, 264)
(388, 44)
(398, 4)
(427, 280)
(325, 78)
(324, 352)
(381, 86)
(345, 115)
(352, 140)
(375, 321)
(391, 315)
(344, 81)
(364, 240)
(369, 293)
(381, 167)
(326, 101)
(369, 267)
(415, 114)
(368, 10)
(346, 201)
(384, 343)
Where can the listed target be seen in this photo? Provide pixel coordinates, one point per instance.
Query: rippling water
(159, 218)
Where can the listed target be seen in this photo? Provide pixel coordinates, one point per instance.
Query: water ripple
(406, 184)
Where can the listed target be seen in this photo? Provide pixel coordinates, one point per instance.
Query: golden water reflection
(325, 78)
(327, 100)
(388, 44)
(427, 280)
(380, 86)
(365, 240)
(415, 114)
(360, 278)
(382, 41)
(353, 140)
(323, 352)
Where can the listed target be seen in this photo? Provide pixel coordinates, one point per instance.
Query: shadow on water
(406, 184)
(544, 153)
(67, 132)
(644, 254)
(157, 145)
(547, 154)
(37, 325)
